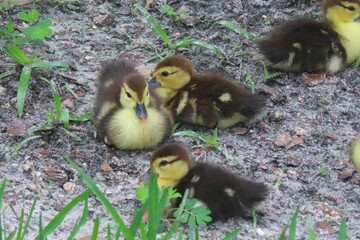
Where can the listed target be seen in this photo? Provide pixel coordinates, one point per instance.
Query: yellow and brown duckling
(127, 112)
(306, 45)
(208, 100)
(355, 154)
(224, 193)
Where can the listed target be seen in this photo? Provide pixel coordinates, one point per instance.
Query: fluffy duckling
(355, 154)
(127, 113)
(224, 193)
(306, 45)
(208, 100)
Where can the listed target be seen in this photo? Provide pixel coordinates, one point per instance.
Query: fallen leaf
(69, 186)
(80, 93)
(103, 20)
(346, 174)
(148, 4)
(331, 135)
(42, 153)
(295, 140)
(17, 2)
(299, 131)
(267, 90)
(55, 174)
(313, 79)
(283, 140)
(331, 211)
(58, 206)
(325, 226)
(239, 130)
(68, 103)
(105, 166)
(18, 128)
(292, 161)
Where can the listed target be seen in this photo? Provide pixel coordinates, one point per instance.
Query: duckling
(224, 193)
(355, 154)
(127, 113)
(208, 100)
(306, 45)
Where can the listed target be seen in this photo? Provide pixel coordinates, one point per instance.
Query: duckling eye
(351, 8)
(163, 163)
(165, 74)
(128, 95)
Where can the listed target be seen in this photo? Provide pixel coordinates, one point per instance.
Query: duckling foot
(107, 141)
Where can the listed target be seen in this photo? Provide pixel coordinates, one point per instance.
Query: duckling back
(224, 193)
(302, 45)
(214, 101)
(127, 113)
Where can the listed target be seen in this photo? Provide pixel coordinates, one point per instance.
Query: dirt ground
(299, 148)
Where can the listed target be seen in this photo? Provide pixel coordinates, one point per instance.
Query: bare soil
(299, 148)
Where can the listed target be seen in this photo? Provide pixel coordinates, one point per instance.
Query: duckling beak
(145, 177)
(154, 83)
(141, 112)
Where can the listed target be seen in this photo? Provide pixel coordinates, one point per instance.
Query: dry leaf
(148, 4)
(283, 140)
(299, 131)
(105, 166)
(68, 103)
(239, 130)
(313, 79)
(69, 186)
(18, 128)
(13, 2)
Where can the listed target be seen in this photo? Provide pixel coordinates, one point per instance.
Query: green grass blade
(96, 229)
(18, 146)
(153, 211)
(342, 231)
(154, 23)
(11, 235)
(43, 64)
(292, 228)
(21, 221)
(73, 135)
(232, 234)
(102, 198)
(22, 89)
(16, 54)
(311, 229)
(143, 233)
(27, 224)
(197, 42)
(41, 229)
(7, 73)
(57, 220)
(2, 190)
(81, 221)
(57, 100)
(108, 233)
(65, 117)
(81, 117)
(135, 224)
(212, 141)
(68, 88)
(236, 28)
(44, 127)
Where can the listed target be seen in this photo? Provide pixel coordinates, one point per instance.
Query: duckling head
(171, 162)
(135, 95)
(337, 11)
(173, 72)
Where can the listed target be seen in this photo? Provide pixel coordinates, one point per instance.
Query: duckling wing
(302, 45)
(225, 194)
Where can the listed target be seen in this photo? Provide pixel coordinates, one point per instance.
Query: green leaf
(22, 89)
(102, 198)
(189, 41)
(21, 221)
(357, 63)
(6, 74)
(192, 221)
(10, 27)
(232, 234)
(184, 217)
(16, 54)
(135, 224)
(57, 220)
(23, 16)
(45, 64)
(153, 211)
(2, 190)
(40, 31)
(22, 40)
(18, 146)
(200, 222)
